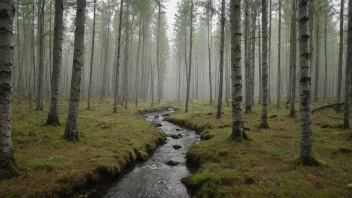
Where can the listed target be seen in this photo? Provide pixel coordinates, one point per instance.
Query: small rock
(178, 129)
(273, 116)
(158, 125)
(174, 136)
(157, 116)
(172, 163)
(177, 146)
(180, 135)
(210, 113)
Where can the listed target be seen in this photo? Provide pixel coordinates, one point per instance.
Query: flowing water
(154, 178)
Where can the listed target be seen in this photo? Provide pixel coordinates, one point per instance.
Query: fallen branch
(328, 106)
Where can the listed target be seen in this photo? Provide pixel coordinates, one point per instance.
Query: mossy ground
(50, 166)
(266, 166)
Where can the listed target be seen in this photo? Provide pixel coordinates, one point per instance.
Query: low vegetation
(267, 165)
(50, 166)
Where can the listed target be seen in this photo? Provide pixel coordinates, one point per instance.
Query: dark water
(153, 178)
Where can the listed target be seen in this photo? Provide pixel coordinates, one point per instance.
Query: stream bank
(161, 174)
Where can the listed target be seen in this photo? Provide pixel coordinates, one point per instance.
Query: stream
(154, 178)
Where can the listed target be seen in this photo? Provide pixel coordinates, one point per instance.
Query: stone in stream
(178, 129)
(174, 136)
(177, 146)
(158, 125)
(172, 163)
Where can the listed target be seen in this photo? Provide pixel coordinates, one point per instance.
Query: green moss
(142, 155)
(206, 182)
(223, 153)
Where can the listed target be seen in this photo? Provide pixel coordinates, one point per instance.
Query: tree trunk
(306, 155)
(117, 72)
(269, 54)
(190, 58)
(317, 60)
(326, 56)
(106, 54)
(339, 77)
(19, 62)
(158, 53)
(247, 57)
(53, 116)
(71, 131)
(236, 67)
(125, 81)
(210, 41)
(92, 58)
(279, 62)
(252, 66)
(293, 59)
(348, 68)
(260, 62)
(137, 62)
(7, 8)
(39, 98)
(221, 68)
(264, 122)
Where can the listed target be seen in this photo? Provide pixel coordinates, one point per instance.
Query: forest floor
(262, 167)
(266, 166)
(50, 166)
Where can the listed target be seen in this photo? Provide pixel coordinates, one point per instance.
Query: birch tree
(306, 156)
(348, 68)
(39, 98)
(53, 116)
(339, 77)
(264, 118)
(71, 131)
(7, 10)
(238, 132)
(221, 68)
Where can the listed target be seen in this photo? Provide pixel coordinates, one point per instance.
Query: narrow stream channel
(154, 178)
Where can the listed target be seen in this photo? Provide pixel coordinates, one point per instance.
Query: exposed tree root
(311, 162)
(335, 106)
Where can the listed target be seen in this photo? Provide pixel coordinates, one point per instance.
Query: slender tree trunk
(269, 53)
(306, 156)
(293, 59)
(19, 62)
(152, 79)
(53, 116)
(260, 62)
(92, 58)
(106, 54)
(210, 41)
(41, 55)
(236, 67)
(317, 53)
(264, 122)
(221, 68)
(33, 57)
(137, 62)
(326, 56)
(125, 81)
(252, 56)
(348, 69)
(7, 8)
(279, 62)
(190, 58)
(339, 77)
(71, 131)
(247, 57)
(158, 52)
